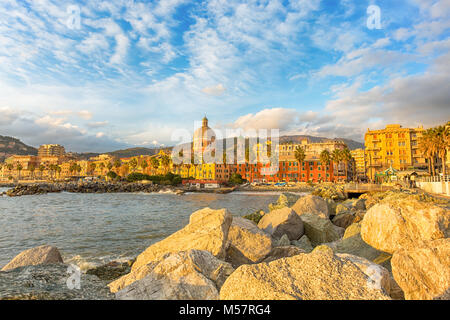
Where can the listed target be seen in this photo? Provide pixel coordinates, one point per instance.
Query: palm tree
(144, 165)
(133, 164)
(441, 145)
(325, 158)
(102, 167)
(19, 168)
(300, 155)
(427, 148)
(165, 162)
(336, 156)
(154, 163)
(41, 169)
(92, 167)
(58, 170)
(346, 156)
(32, 168)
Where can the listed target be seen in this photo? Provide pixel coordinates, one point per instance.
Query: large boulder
(320, 230)
(397, 223)
(247, 243)
(35, 256)
(320, 275)
(423, 271)
(311, 204)
(332, 205)
(187, 275)
(50, 282)
(207, 230)
(282, 221)
(352, 230)
(285, 200)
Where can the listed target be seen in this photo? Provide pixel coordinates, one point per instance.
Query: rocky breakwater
(83, 187)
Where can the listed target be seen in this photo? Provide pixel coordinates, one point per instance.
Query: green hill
(10, 146)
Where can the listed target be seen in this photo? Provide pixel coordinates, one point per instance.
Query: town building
(360, 162)
(395, 147)
(48, 150)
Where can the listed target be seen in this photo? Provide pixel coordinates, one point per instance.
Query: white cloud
(217, 90)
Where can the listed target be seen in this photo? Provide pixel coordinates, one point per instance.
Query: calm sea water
(92, 229)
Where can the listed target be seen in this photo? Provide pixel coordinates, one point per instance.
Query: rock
(320, 275)
(394, 224)
(343, 220)
(352, 230)
(341, 209)
(255, 216)
(284, 241)
(379, 277)
(311, 204)
(285, 200)
(360, 204)
(320, 230)
(423, 271)
(187, 275)
(331, 206)
(207, 230)
(283, 252)
(304, 244)
(247, 243)
(35, 256)
(49, 282)
(282, 221)
(110, 271)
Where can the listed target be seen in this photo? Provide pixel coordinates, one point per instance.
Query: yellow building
(48, 150)
(360, 162)
(393, 146)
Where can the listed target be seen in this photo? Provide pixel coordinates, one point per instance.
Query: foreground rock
(397, 223)
(49, 282)
(283, 252)
(312, 204)
(247, 243)
(207, 230)
(320, 275)
(320, 230)
(188, 275)
(331, 191)
(304, 244)
(423, 272)
(111, 270)
(35, 256)
(280, 222)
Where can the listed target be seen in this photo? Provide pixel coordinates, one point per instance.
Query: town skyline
(131, 72)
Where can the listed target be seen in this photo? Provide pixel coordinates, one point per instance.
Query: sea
(94, 229)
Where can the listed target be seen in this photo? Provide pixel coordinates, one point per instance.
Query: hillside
(352, 144)
(10, 146)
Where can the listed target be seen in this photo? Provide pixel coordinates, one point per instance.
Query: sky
(102, 75)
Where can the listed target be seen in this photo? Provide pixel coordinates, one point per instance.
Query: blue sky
(132, 72)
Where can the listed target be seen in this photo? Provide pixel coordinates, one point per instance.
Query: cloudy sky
(128, 73)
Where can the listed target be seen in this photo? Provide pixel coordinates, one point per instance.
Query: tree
(19, 168)
(336, 156)
(58, 170)
(346, 156)
(41, 169)
(441, 145)
(154, 163)
(144, 165)
(133, 164)
(300, 155)
(109, 166)
(325, 158)
(32, 168)
(428, 149)
(102, 167)
(165, 162)
(92, 167)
